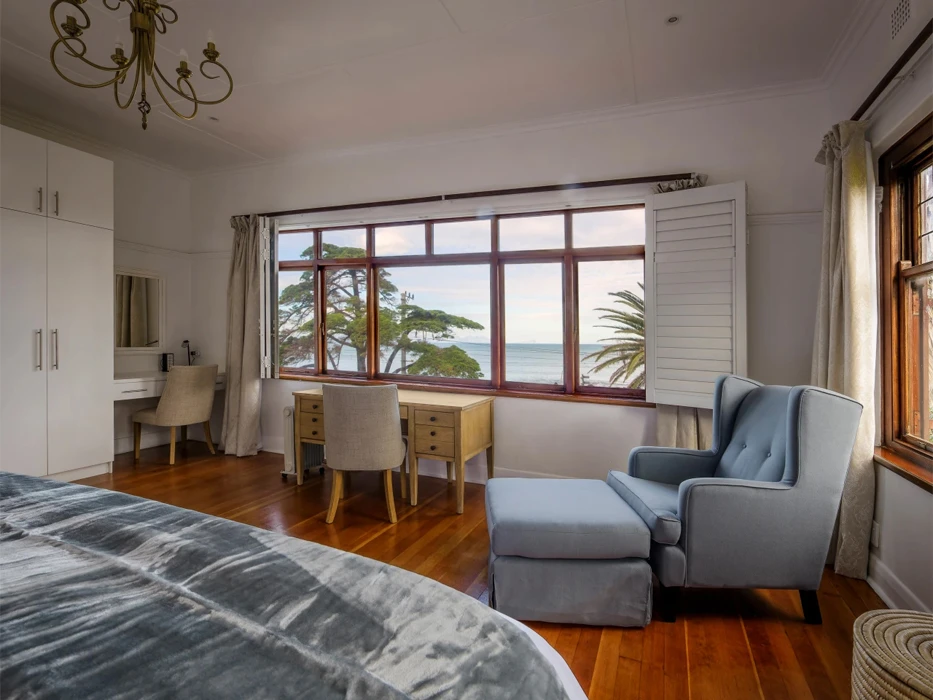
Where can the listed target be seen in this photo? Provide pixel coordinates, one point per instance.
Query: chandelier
(147, 19)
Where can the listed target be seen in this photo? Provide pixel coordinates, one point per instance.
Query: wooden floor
(725, 644)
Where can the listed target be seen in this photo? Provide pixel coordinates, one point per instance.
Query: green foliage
(451, 361)
(625, 353)
(404, 329)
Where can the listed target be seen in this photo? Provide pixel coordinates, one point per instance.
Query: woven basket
(892, 656)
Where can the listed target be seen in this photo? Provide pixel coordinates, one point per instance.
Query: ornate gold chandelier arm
(116, 7)
(193, 97)
(161, 20)
(181, 81)
(116, 88)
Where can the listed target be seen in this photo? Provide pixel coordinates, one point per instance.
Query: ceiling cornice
(860, 20)
(569, 120)
(15, 118)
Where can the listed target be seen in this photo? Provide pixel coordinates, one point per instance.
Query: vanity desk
(143, 385)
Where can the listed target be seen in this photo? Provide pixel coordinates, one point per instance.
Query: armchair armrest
(668, 465)
(751, 534)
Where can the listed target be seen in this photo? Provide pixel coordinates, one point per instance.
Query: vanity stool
(568, 551)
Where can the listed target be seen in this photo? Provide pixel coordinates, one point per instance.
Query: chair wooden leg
(207, 436)
(450, 472)
(171, 449)
(811, 607)
(336, 488)
(669, 603)
(344, 485)
(403, 479)
(390, 498)
(413, 480)
(137, 439)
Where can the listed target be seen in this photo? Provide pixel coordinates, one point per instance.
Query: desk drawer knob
(433, 433)
(433, 418)
(314, 420)
(314, 432)
(433, 447)
(314, 405)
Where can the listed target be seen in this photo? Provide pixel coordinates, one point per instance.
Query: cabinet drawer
(429, 447)
(124, 391)
(311, 426)
(440, 418)
(436, 433)
(315, 405)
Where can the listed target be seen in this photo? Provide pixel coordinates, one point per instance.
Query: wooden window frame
(897, 266)
(496, 260)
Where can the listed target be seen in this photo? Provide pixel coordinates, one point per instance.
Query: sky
(533, 292)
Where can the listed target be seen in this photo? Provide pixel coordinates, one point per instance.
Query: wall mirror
(138, 312)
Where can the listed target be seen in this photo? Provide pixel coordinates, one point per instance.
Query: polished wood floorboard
(725, 644)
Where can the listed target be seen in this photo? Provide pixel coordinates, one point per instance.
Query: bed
(105, 595)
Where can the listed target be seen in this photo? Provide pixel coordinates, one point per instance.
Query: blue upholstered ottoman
(567, 550)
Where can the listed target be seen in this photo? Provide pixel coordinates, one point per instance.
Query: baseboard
(518, 473)
(890, 588)
(83, 472)
(273, 444)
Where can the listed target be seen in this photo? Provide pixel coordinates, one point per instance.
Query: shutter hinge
(265, 254)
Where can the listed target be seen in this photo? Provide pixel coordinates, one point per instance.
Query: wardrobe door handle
(56, 202)
(55, 345)
(134, 391)
(40, 199)
(39, 338)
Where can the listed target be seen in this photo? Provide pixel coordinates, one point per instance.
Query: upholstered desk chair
(758, 509)
(188, 398)
(363, 433)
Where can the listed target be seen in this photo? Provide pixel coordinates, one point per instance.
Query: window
(512, 302)
(907, 295)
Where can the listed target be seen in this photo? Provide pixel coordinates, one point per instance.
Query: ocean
(539, 363)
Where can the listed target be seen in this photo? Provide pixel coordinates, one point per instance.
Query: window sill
(905, 467)
(505, 393)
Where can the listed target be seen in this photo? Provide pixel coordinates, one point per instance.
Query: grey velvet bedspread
(105, 595)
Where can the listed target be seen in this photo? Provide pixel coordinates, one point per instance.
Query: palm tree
(626, 349)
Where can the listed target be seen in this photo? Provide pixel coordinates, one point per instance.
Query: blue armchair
(758, 509)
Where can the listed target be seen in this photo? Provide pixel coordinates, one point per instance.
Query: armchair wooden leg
(184, 434)
(669, 602)
(171, 449)
(811, 607)
(336, 488)
(207, 436)
(390, 498)
(137, 439)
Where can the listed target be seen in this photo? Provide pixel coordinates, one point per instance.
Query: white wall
(769, 142)
(901, 566)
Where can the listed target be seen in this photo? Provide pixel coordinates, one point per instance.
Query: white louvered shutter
(694, 292)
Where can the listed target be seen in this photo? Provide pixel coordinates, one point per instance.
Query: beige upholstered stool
(188, 398)
(892, 656)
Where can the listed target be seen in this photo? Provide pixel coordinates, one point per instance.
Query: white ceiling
(314, 75)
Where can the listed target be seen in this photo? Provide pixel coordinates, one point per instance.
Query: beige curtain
(687, 428)
(241, 431)
(845, 343)
(132, 312)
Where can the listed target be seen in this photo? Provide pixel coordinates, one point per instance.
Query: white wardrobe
(56, 308)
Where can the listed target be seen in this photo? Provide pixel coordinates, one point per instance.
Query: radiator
(311, 455)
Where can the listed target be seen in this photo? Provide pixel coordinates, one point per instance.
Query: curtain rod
(486, 193)
(899, 64)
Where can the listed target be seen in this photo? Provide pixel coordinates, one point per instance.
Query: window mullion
(496, 310)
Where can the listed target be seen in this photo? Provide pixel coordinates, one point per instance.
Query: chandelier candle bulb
(139, 70)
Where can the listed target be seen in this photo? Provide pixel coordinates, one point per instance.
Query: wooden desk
(446, 427)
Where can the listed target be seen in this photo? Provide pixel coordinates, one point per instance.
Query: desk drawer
(440, 418)
(314, 405)
(429, 447)
(436, 433)
(123, 391)
(311, 426)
